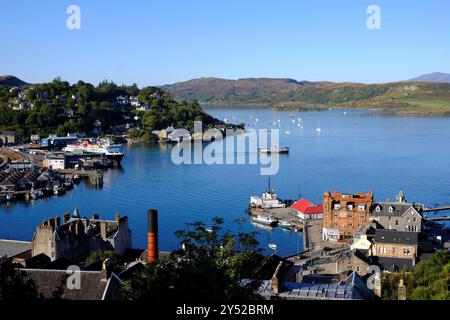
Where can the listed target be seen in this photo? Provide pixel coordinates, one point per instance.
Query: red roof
(307, 207)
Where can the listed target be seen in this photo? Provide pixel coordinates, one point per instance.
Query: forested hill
(408, 97)
(11, 81)
(61, 108)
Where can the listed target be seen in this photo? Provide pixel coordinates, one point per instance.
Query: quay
(441, 208)
(281, 214)
(446, 218)
(95, 176)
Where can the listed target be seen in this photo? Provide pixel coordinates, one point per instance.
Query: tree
(213, 265)
(15, 285)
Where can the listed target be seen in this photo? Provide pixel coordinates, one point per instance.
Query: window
(362, 216)
(350, 207)
(394, 251)
(361, 207)
(378, 209)
(391, 209)
(358, 268)
(396, 222)
(337, 206)
(406, 252)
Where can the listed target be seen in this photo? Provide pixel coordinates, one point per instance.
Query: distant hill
(11, 81)
(433, 77)
(214, 90)
(289, 94)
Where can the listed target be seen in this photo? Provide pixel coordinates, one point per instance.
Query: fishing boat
(262, 226)
(268, 200)
(265, 220)
(272, 246)
(285, 225)
(76, 179)
(274, 149)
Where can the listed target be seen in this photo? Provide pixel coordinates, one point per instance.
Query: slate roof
(399, 208)
(47, 281)
(11, 248)
(352, 288)
(394, 264)
(394, 236)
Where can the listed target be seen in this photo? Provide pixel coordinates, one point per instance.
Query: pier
(95, 176)
(441, 208)
(281, 214)
(446, 218)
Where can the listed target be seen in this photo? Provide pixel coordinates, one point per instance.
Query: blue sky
(157, 42)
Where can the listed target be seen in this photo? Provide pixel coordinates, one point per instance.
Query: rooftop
(11, 248)
(305, 206)
(394, 236)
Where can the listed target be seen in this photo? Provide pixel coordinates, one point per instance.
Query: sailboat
(318, 129)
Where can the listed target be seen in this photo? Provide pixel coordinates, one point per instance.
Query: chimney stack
(66, 217)
(152, 236)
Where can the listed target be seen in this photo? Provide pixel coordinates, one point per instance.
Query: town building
(134, 101)
(54, 162)
(354, 260)
(13, 249)
(122, 100)
(396, 249)
(77, 237)
(9, 138)
(399, 215)
(345, 214)
(94, 285)
(306, 210)
(144, 107)
(353, 287)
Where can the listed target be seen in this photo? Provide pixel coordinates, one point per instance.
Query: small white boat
(318, 130)
(265, 220)
(272, 246)
(274, 149)
(209, 230)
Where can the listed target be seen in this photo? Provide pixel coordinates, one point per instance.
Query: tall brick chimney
(152, 236)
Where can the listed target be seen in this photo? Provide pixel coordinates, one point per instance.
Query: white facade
(55, 163)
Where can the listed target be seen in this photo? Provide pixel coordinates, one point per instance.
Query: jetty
(281, 214)
(95, 176)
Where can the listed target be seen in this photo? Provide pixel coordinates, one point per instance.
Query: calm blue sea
(355, 151)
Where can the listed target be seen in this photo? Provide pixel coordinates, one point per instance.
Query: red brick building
(345, 214)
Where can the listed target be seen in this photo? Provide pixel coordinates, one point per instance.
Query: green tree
(213, 265)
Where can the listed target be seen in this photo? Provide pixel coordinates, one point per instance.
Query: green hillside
(287, 94)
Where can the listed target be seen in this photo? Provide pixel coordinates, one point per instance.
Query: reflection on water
(380, 153)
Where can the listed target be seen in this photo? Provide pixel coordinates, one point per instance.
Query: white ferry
(104, 147)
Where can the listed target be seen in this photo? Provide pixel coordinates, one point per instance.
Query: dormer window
(337, 206)
(391, 209)
(361, 207)
(378, 209)
(350, 207)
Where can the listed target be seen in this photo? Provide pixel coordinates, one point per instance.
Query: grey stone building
(77, 237)
(399, 215)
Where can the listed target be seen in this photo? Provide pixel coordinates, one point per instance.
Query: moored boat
(274, 149)
(265, 220)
